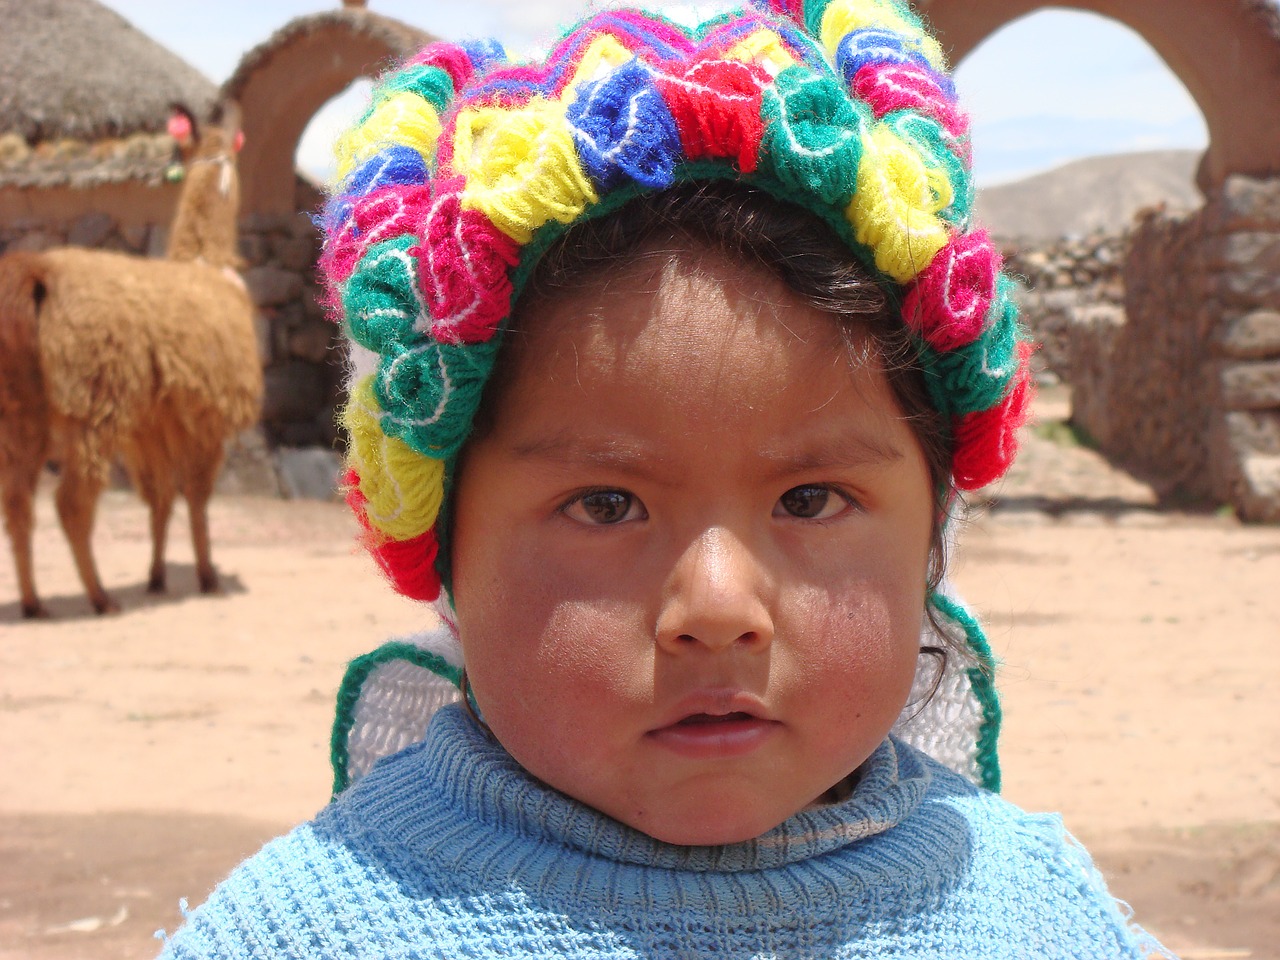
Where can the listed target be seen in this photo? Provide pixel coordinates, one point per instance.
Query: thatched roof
(403, 39)
(73, 69)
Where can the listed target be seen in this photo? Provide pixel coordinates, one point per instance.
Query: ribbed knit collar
(470, 773)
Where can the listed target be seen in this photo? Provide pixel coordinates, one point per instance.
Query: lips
(716, 725)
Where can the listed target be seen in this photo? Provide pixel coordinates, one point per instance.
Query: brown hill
(1095, 193)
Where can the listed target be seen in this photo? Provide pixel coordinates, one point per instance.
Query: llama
(154, 360)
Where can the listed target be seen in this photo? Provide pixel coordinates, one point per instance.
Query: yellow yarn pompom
(765, 49)
(842, 17)
(404, 119)
(894, 211)
(602, 55)
(522, 167)
(404, 488)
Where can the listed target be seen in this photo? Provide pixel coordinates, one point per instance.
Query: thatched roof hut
(85, 95)
(74, 69)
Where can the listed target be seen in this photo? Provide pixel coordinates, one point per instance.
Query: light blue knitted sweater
(449, 849)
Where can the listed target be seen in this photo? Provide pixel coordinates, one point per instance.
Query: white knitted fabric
(398, 699)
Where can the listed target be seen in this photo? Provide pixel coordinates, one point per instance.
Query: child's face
(690, 555)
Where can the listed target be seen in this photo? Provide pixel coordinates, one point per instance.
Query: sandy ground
(148, 752)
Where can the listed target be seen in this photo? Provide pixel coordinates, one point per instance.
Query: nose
(716, 597)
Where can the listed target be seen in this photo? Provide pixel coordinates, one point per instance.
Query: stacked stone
(97, 229)
(84, 164)
(1186, 390)
(302, 361)
(1075, 279)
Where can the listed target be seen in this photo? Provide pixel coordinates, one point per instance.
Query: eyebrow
(847, 449)
(564, 447)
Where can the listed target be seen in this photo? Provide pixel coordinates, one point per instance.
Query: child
(669, 355)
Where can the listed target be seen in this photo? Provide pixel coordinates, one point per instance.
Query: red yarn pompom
(382, 215)
(948, 302)
(716, 106)
(408, 564)
(986, 442)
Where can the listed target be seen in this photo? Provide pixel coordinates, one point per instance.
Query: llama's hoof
(208, 583)
(156, 584)
(105, 606)
(34, 611)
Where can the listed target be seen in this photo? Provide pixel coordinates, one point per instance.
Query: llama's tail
(23, 290)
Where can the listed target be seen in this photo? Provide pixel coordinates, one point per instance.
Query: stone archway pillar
(1187, 389)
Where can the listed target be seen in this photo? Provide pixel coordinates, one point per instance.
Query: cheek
(862, 641)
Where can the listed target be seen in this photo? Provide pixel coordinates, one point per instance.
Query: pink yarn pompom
(465, 261)
(949, 301)
(450, 58)
(887, 87)
(383, 215)
(986, 442)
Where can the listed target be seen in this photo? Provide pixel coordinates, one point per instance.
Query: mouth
(715, 733)
(700, 718)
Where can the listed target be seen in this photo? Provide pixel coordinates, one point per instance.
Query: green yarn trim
(976, 377)
(813, 13)
(379, 299)
(813, 135)
(982, 682)
(432, 84)
(349, 690)
(429, 392)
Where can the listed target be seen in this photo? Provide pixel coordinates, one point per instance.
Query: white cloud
(1058, 85)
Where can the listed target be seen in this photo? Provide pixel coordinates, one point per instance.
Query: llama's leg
(161, 510)
(152, 475)
(19, 478)
(198, 489)
(77, 498)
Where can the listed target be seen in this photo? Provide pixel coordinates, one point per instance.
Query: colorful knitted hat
(467, 167)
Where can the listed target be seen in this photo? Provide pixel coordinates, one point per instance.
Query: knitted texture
(466, 167)
(449, 849)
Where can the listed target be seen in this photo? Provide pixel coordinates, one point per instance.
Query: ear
(183, 127)
(228, 116)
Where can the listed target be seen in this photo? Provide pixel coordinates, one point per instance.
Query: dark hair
(807, 255)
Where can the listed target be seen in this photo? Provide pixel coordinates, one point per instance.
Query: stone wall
(293, 451)
(1073, 280)
(301, 354)
(1184, 389)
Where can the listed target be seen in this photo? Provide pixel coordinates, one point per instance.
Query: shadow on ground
(131, 596)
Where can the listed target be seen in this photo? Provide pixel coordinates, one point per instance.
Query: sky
(1052, 87)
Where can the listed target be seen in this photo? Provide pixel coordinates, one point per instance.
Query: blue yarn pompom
(394, 166)
(872, 45)
(484, 53)
(623, 128)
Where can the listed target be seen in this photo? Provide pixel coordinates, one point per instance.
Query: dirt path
(150, 751)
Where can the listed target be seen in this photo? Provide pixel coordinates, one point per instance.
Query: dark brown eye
(604, 507)
(810, 502)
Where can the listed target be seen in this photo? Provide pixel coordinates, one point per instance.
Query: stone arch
(1226, 53)
(282, 83)
(1186, 389)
